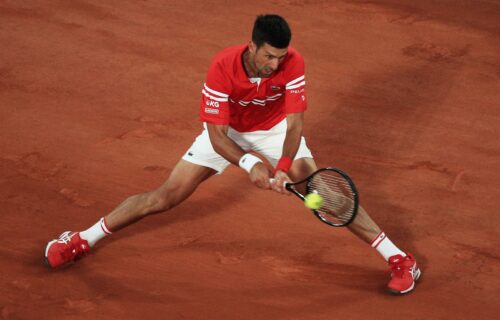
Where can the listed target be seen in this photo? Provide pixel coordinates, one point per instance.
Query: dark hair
(271, 29)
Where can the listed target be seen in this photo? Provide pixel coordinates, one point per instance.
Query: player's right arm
(214, 112)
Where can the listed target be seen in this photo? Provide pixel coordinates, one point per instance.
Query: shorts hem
(203, 164)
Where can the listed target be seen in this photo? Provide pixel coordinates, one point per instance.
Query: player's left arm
(295, 105)
(295, 122)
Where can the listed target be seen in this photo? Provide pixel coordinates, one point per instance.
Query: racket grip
(272, 180)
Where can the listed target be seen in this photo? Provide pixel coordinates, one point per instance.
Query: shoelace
(65, 238)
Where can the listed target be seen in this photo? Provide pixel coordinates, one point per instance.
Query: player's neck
(250, 69)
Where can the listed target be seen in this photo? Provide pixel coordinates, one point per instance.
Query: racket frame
(290, 187)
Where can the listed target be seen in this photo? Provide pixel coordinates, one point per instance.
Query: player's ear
(252, 47)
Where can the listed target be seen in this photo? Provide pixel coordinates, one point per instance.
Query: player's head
(271, 29)
(271, 36)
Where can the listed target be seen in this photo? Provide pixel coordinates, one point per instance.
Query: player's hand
(259, 175)
(278, 184)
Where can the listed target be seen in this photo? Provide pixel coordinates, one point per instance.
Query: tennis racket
(339, 194)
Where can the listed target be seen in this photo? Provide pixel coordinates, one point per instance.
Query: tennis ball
(313, 201)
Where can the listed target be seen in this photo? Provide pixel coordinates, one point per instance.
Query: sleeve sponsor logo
(297, 91)
(211, 103)
(211, 110)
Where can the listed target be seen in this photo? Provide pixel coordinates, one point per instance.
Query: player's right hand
(259, 175)
(278, 184)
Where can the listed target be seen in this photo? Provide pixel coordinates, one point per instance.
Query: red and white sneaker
(404, 273)
(68, 248)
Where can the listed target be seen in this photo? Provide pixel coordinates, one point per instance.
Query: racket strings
(338, 198)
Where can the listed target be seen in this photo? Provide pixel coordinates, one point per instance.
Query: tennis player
(252, 107)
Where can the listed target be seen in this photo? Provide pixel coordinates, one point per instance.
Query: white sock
(95, 233)
(385, 246)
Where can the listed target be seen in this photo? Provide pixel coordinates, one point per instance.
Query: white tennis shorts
(268, 143)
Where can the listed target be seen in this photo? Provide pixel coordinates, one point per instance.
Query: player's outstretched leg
(403, 266)
(72, 246)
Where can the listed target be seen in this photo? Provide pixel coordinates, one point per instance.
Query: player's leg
(403, 265)
(198, 164)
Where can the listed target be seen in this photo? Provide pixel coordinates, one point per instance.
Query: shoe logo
(412, 271)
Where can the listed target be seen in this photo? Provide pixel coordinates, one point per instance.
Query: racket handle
(272, 180)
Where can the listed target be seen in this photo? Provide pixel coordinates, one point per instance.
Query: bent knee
(158, 202)
(163, 200)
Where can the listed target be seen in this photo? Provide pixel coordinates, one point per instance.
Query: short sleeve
(214, 107)
(295, 94)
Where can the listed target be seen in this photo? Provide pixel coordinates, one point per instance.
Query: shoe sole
(418, 273)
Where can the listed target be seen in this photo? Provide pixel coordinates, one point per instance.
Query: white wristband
(248, 161)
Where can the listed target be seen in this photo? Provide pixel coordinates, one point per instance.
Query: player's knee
(162, 200)
(157, 202)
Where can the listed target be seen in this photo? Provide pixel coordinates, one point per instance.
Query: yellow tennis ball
(313, 201)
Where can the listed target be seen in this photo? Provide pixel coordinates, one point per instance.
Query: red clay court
(99, 99)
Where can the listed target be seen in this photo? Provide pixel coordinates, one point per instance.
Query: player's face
(267, 58)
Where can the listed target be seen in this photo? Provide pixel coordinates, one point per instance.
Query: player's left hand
(280, 178)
